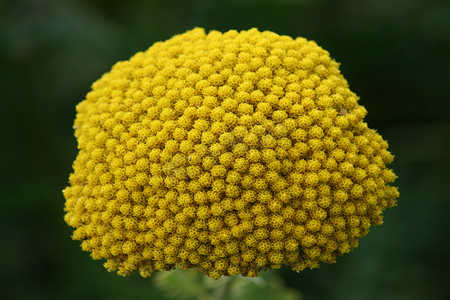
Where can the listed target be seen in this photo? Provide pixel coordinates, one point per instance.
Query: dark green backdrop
(394, 53)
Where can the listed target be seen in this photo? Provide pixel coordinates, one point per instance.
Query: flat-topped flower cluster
(234, 152)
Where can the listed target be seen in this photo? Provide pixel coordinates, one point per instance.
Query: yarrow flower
(233, 152)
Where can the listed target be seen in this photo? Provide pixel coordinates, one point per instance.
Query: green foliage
(194, 285)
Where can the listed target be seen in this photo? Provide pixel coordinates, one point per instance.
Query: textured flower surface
(235, 152)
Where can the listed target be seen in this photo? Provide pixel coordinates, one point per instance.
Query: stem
(224, 291)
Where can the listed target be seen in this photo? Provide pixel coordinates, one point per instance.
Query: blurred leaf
(192, 284)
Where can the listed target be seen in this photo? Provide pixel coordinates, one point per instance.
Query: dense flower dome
(233, 152)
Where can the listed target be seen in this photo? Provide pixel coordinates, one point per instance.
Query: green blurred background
(394, 53)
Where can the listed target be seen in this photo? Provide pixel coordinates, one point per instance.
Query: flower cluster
(235, 152)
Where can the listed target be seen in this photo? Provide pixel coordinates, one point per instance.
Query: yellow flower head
(235, 152)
